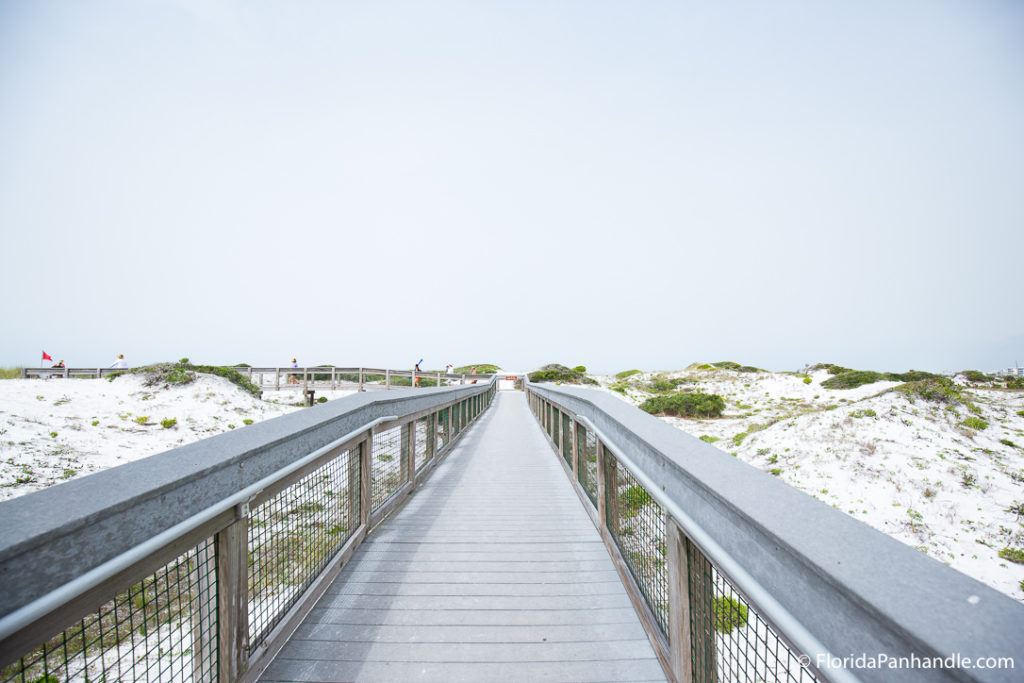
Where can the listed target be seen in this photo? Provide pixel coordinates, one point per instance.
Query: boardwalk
(491, 572)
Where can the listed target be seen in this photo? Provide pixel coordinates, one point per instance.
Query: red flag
(47, 356)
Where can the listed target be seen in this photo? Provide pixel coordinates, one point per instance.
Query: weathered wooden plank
(491, 570)
(475, 602)
(464, 672)
(469, 652)
(352, 587)
(470, 634)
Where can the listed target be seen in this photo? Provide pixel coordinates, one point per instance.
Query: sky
(609, 184)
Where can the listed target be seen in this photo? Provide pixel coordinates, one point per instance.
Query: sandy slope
(56, 429)
(909, 469)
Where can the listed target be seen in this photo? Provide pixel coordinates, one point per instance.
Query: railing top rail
(50, 537)
(21, 617)
(854, 588)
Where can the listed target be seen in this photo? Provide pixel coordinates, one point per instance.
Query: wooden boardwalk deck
(491, 572)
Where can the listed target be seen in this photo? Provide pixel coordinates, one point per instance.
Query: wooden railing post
(232, 550)
(361, 380)
(387, 379)
(407, 468)
(365, 476)
(602, 485)
(355, 485)
(577, 449)
(680, 639)
(611, 468)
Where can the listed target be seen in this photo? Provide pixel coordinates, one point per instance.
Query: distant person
(473, 372)
(120, 363)
(448, 370)
(58, 364)
(293, 378)
(416, 373)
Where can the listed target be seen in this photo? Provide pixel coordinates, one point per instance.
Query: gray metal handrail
(119, 525)
(15, 621)
(801, 637)
(825, 581)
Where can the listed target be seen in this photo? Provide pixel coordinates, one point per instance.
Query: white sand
(53, 430)
(911, 470)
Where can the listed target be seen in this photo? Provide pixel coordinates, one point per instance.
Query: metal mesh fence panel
(567, 451)
(731, 642)
(293, 536)
(386, 472)
(586, 447)
(556, 422)
(637, 523)
(163, 628)
(420, 443)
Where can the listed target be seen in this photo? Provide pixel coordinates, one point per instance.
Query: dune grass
(10, 373)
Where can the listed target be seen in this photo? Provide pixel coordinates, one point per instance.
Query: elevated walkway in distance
(491, 572)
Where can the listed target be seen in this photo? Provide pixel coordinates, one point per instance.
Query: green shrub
(1020, 413)
(627, 373)
(738, 438)
(183, 372)
(938, 389)
(707, 438)
(322, 399)
(322, 376)
(142, 419)
(1012, 554)
(807, 380)
(580, 368)
(730, 613)
(1015, 382)
(685, 404)
(729, 365)
(1007, 442)
(845, 378)
(852, 379)
(632, 499)
(481, 369)
(168, 422)
(247, 421)
(911, 376)
(975, 376)
(560, 373)
(10, 373)
(832, 368)
(975, 423)
(663, 385)
(776, 471)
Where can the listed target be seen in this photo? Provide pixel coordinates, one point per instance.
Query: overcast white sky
(614, 184)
